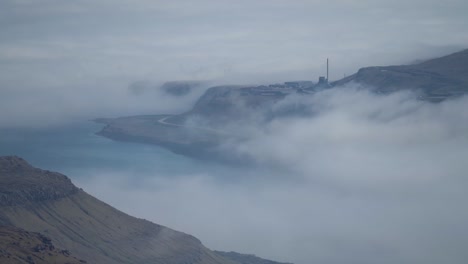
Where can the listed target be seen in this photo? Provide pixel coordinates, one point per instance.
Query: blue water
(76, 151)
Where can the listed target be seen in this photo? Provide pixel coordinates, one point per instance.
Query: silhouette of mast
(327, 70)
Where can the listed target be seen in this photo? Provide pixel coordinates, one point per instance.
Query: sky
(369, 179)
(69, 59)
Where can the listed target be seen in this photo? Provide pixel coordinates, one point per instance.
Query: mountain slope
(47, 202)
(20, 246)
(437, 78)
(454, 66)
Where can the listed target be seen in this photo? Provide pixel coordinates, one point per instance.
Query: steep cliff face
(47, 202)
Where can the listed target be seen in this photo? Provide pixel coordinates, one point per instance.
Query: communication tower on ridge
(323, 81)
(327, 70)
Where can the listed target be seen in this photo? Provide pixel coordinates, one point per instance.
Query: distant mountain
(48, 203)
(181, 88)
(199, 132)
(224, 104)
(172, 88)
(436, 79)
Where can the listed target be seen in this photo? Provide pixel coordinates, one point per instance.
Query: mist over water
(76, 150)
(364, 179)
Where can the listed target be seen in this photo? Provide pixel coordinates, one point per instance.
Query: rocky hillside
(46, 202)
(20, 246)
(435, 79)
(22, 183)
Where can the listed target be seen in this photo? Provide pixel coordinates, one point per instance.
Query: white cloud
(365, 179)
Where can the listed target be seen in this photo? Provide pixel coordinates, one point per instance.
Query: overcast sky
(59, 42)
(62, 51)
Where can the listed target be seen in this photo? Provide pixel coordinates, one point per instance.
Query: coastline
(181, 140)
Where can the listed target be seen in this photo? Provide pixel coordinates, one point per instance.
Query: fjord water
(75, 150)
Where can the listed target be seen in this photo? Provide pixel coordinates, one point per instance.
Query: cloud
(359, 179)
(364, 179)
(353, 128)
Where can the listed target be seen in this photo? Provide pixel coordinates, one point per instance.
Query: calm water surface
(76, 151)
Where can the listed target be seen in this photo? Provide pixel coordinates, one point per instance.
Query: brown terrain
(20, 246)
(44, 218)
(48, 203)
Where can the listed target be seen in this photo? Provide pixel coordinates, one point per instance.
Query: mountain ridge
(89, 228)
(435, 79)
(38, 207)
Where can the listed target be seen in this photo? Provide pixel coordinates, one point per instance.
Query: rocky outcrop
(20, 246)
(20, 183)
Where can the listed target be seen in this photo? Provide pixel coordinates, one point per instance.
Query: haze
(66, 59)
(362, 179)
(367, 179)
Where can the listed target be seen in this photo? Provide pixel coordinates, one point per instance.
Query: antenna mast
(327, 70)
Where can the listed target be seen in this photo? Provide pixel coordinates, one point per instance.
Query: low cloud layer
(42, 107)
(365, 179)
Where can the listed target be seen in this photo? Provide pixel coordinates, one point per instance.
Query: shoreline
(177, 139)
